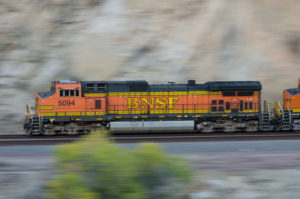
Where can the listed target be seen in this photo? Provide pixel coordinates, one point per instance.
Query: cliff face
(159, 41)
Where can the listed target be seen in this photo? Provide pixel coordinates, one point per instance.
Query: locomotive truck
(81, 107)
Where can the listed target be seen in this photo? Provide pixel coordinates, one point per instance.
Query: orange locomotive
(72, 107)
(290, 112)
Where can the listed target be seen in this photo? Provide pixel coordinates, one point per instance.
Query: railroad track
(9, 140)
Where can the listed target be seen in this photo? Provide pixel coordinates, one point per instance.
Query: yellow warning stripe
(137, 112)
(165, 93)
(172, 93)
(90, 113)
(45, 107)
(295, 110)
(94, 94)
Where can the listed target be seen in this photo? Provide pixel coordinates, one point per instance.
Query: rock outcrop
(159, 41)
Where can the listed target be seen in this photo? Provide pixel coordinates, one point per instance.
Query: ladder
(265, 124)
(286, 121)
(36, 127)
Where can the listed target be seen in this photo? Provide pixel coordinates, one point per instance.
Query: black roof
(233, 85)
(143, 86)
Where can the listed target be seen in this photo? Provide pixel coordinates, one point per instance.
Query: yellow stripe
(61, 113)
(45, 107)
(99, 118)
(137, 112)
(49, 114)
(100, 113)
(158, 111)
(94, 94)
(215, 93)
(198, 92)
(249, 111)
(77, 119)
(294, 110)
(90, 113)
(178, 111)
(172, 111)
(128, 112)
(72, 113)
(161, 93)
(171, 93)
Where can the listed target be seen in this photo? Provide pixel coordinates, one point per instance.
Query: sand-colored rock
(159, 41)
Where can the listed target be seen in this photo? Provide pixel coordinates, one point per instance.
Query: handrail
(269, 111)
(290, 114)
(28, 111)
(280, 108)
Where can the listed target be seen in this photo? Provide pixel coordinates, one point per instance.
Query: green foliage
(96, 168)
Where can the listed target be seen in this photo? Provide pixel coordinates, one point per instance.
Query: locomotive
(81, 107)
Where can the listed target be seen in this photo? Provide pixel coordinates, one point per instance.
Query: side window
(245, 93)
(214, 109)
(228, 93)
(246, 105)
(221, 109)
(241, 105)
(214, 102)
(97, 104)
(250, 105)
(221, 102)
(101, 87)
(67, 93)
(90, 87)
(227, 105)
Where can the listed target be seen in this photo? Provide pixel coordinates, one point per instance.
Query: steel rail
(6, 140)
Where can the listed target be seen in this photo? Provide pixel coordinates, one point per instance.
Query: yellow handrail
(28, 112)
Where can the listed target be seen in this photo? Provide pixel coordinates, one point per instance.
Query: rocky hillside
(159, 41)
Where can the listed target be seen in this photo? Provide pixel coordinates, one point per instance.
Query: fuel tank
(153, 126)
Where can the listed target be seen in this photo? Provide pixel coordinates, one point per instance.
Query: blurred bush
(97, 168)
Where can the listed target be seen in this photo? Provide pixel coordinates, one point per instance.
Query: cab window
(69, 93)
(77, 92)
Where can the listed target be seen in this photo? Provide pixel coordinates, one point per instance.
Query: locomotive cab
(291, 107)
(64, 96)
(291, 99)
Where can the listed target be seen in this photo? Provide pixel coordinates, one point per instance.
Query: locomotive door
(95, 105)
(235, 106)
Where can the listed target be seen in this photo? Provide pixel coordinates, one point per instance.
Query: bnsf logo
(152, 102)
